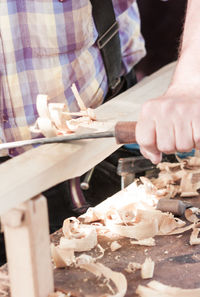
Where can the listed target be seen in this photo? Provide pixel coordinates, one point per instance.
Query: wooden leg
(28, 249)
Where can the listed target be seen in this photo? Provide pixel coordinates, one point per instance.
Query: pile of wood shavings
(55, 118)
(181, 178)
(131, 213)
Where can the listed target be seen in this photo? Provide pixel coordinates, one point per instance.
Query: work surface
(176, 264)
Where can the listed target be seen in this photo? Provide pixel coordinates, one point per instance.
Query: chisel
(124, 133)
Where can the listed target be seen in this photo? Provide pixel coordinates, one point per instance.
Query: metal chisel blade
(56, 139)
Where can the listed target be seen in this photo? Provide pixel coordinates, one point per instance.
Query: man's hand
(169, 123)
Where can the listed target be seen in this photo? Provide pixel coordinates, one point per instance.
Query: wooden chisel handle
(177, 207)
(125, 132)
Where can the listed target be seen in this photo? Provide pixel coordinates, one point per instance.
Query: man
(45, 46)
(171, 122)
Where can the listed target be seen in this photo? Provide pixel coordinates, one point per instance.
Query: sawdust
(132, 213)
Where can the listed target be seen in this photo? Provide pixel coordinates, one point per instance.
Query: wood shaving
(156, 289)
(143, 220)
(147, 268)
(175, 179)
(147, 242)
(131, 213)
(82, 237)
(117, 278)
(62, 257)
(55, 119)
(115, 246)
(123, 204)
(194, 237)
(102, 251)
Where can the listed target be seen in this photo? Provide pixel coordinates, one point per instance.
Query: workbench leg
(28, 249)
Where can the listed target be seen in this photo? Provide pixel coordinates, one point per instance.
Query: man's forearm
(171, 122)
(189, 60)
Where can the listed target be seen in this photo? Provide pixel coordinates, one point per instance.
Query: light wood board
(31, 173)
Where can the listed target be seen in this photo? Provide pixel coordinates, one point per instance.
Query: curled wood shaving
(42, 106)
(86, 243)
(147, 242)
(58, 115)
(78, 97)
(175, 178)
(82, 237)
(122, 206)
(102, 251)
(142, 220)
(156, 289)
(115, 246)
(138, 231)
(118, 278)
(55, 119)
(62, 257)
(186, 187)
(147, 268)
(194, 237)
(166, 222)
(46, 127)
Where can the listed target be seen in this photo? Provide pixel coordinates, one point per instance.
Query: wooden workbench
(26, 176)
(176, 264)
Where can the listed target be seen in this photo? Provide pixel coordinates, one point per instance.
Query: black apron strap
(108, 39)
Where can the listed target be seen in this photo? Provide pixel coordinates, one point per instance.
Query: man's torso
(45, 46)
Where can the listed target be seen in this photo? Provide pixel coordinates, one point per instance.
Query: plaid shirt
(45, 46)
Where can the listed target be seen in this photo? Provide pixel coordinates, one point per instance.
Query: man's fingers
(165, 137)
(146, 136)
(154, 158)
(184, 136)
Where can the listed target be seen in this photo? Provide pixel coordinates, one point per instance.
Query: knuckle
(184, 148)
(148, 107)
(146, 142)
(166, 148)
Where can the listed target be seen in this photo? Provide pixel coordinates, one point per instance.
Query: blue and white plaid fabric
(45, 46)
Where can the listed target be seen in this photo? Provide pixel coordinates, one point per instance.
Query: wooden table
(176, 264)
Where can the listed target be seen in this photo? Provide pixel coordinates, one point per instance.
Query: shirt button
(61, 0)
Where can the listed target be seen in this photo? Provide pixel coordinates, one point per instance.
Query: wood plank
(27, 241)
(31, 173)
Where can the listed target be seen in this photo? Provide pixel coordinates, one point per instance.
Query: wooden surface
(28, 249)
(31, 173)
(176, 264)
